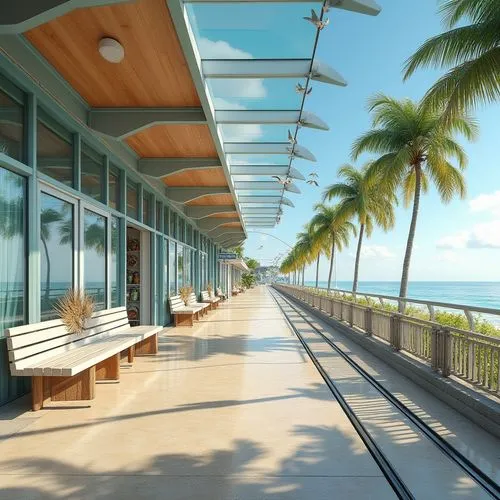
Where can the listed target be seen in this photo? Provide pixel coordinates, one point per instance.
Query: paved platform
(229, 409)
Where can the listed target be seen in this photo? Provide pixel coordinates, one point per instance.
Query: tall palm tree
(334, 229)
(48, 216)
(415, 145)
(472, 51)
(361, 197)
(309, 247)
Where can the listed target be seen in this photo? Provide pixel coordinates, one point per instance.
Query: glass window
(158, 215)
(132, 199)
(12, 249)
(187, 266)
(54, 150)
(92, 173)
(172, 289)
(166, 220)
(146, 208)
(114, 188)
(11, 128)
(180, 266)
(56, 252)
(95, 258)
(165, 281)
(203, 273)
(115, 262)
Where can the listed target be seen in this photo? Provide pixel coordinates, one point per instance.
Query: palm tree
(334, 229)
(415, 145)
(361, 197)
(309, 248)
(472, 51)
(47, 217)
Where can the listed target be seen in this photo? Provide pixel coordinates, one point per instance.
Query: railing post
(368, 320)
(446, 342)
(395, 332)
(435, 348)
(351, 313)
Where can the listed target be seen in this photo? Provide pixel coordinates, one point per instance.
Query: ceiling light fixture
(111, 50)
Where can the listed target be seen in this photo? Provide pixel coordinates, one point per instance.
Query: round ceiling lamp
(111, 50)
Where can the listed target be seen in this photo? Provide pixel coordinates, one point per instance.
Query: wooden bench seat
(193, 302)
(65, 366)
(210, 299)
(184, 315)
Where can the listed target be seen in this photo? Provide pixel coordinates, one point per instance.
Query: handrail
(468, 310)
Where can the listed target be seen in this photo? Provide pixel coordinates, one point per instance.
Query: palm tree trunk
(303, 274)
(358, 254)
(317, 270)
(411, 235)
(332, 257)
(47, 279)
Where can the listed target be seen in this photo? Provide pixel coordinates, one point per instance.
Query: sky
(455, 242)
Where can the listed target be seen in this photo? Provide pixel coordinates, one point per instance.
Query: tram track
(398, 484)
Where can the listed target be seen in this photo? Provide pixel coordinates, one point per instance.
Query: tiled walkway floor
(229, 409)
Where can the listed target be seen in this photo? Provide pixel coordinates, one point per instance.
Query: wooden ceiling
(154, 73)
(223, 215)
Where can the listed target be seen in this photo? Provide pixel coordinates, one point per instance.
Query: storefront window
(54, 150)
(115, 262)
(56, 252)
(92, 173)
(166, 220)
(146, 208)
(158, 215)
(172, 289)
(12, 249)
(132, 199)
(114, 188)
(187, 266)
(180, 266)
(11, 129)
(173, 224)
(95, 258)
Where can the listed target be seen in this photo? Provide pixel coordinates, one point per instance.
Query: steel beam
(121, 123)
(271, 117)
(19, 16)
(266, 186)
(185, 194)
(162, 167)
(369, 7)
(268, 148)
(271, 68)
(213, 223)
(200, 212)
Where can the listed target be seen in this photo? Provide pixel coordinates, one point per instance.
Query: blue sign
(227, 256)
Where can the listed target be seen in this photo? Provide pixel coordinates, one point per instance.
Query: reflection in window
(166, 220)
(146, 208)
(114, 188)
(54, 150)
(132, 199)
(115, 262)
(12, 253)
(92, 173)
(187, 266)
(172, 289)
(165, 281)
(11, 128)
(173, 224)
(56, 252)
(95, 258)
(180, 265)
(158, 215)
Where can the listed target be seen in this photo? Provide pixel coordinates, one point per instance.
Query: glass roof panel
(245, 159)
(255, 133)
(253, 30)
(255, 93)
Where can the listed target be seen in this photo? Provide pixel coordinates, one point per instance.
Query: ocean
(472, 293)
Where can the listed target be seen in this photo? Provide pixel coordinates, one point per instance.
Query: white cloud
(376, 252)
(220, 50)
(483, 235)
(486, 203)
(448, 256)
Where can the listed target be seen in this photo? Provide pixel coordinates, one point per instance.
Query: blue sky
(458, 241)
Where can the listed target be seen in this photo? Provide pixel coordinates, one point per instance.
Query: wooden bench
(65, 366)
(210, 299)
(218, 293)
(193, 302)
(235, 291)
(184, 315)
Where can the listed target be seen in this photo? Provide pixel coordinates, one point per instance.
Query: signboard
(227, 256)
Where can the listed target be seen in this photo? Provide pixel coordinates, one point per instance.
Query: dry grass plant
(184, 292)
(74, 309)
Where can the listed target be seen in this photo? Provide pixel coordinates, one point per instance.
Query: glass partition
(114, 188)
(132, 199)
(180, 266)
(92, 173)
(115, 263)
(11, 127)
(95, 257)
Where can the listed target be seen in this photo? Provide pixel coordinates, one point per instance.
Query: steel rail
(487, 483)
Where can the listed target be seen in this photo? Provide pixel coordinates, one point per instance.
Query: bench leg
(147, 346)
(80, 387)
(109, 369)
(185, 319)
(39, 393)
(131, 353)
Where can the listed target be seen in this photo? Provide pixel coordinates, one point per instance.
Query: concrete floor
(229, 409)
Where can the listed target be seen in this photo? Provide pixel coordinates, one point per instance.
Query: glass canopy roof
(257, 62)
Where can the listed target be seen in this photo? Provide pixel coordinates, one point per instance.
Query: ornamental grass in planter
(75, 309)
(184, 292)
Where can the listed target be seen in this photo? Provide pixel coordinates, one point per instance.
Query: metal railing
(468, 355)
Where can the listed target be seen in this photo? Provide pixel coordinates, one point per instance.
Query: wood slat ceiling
(153, 73)
(231, 224)
(212, 200)
(223, 215)
(209, 177)
(174, 141)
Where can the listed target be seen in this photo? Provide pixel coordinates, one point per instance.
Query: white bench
(193, 302)
(65, 366)
(183, 315)
(210, 299)
(218, 293)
